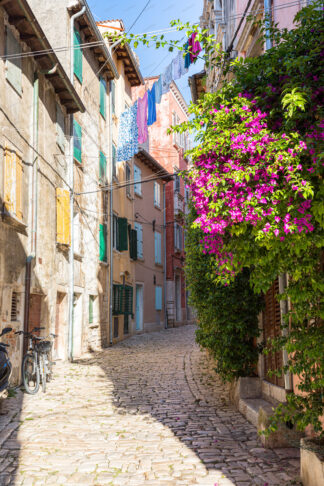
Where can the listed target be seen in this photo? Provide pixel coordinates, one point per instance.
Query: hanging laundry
(166, 79)
(195, 47)
(142, 119)
(187, 60)
(158, 90)
(151, 118)
(176, 67)
(127, 134)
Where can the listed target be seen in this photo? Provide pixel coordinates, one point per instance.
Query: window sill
(138, 194)
(158, 265)
(12, 220)
(62, 149)
(157, 207)
(77, 162)
(130, 197)
(104, 264)
(78, 256)
(62, 247)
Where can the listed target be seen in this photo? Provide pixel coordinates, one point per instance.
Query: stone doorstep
(311, 465)
(250, 408)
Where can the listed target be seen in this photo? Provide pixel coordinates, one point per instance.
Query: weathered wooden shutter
(19, 176)
(103, 242)
(63, 230)
(102, 168)
(77, 56)
(77, 141)
(13, 65)
(139, 233)
(103, 92)
(127, 300)
(158, 298)
(117, 299)
(133, 244)
(122, 234)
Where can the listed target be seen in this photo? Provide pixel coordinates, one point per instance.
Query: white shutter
(137, 180)
(139, 230)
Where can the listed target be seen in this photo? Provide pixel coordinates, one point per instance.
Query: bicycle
(36, 365)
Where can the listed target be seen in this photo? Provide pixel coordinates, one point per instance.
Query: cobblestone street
(147, 411)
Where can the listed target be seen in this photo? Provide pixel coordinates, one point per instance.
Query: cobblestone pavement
(145, 412)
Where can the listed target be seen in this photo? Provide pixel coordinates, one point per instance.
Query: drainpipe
(283, 311)
(111, 253)
(71, 182)
(267, 13)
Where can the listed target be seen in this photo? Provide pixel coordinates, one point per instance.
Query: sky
(157, 15)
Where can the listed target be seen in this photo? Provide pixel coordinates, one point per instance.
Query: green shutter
(117, 299)
(77, 141)
(122, 234)
(102, 168)
(77, 55)
(103, 92)
(133, 244)
(90, 309)
(103, 242)
(127, 305)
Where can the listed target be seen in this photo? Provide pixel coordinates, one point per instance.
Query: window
(77, 55)
(157, 194)
(176, 183)
(115, 232)
(76, 234)
(14, 307)
(137, 180)
(102, 168)
(158, 298)
(77, 142)
(63, 231)
(114, 160)
(139, 234)
(113, 97)
(91, 301)
(122, 299)
(122, 243)
(103, 242)
(60, 128)
(132, 243)
(177, 236)
(13, 171)
(128, 178)
(13, 65)
(157, 248)
(102, 95)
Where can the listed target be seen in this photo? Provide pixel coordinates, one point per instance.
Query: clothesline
(134, 122)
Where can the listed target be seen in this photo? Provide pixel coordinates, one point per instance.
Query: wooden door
(271, 329)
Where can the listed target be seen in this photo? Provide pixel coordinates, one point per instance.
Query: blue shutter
(77, 55)
(139, 230)
(158, 298)
(157, 247)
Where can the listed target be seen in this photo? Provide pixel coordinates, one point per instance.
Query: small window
(14, 305)
(91, 301)
(113, 97)
(77, 55)
(60, 128)
(115, 327)
(115, 232)
(103, 94)
(139, 233)
(128, 178)
(13, 65)
(158, 298)
(157, 248)
(77, 142)
(114, 160)
(157, 194)
(137, 180)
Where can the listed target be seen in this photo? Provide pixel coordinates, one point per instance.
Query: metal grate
(14, 304)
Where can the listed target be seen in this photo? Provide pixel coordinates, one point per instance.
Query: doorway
(77, 325)
(139, 307)
(178, 297)
(60, 326)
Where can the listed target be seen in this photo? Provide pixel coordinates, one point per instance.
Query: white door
(178, 297)
(139, 307)
(77, 326)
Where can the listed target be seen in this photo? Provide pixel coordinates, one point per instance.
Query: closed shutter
(60, 139)
(13, 65)
(157, 194)
(102, 168)
(77, 141)
(122, 234)
(103, 242)
(158, 298)
(127, 305)
(10, 181)
(63, 231)
(139, 232)
(137, 180)
(77, 56)
(157, 247)
(19, 174)
(133, 243)
(117, 299)
(103, 91)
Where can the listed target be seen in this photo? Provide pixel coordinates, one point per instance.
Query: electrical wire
(139, 15)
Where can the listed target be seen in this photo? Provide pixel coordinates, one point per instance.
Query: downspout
(71, 182)
(283, 311)
(111, 255)
(164, 258)
(267, 21)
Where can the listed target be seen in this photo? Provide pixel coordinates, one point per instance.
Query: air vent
(14, 305)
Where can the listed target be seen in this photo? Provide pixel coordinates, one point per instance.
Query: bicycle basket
(44, 346)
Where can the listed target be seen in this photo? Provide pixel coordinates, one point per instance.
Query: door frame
(141, 326)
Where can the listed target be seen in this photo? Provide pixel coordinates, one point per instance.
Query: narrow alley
(149, 411)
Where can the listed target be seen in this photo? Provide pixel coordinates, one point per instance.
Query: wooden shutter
(102, 168)
(77, 56)
(272, 329)
(9, 183)
(103, 242)
(158, 298)
(103, 92)
(122, 234)
(13, 65)
(157, 247)
(133, 243)
(139, 232)
(19, 174)
(127, 305)
(77, 141)
(63, 230)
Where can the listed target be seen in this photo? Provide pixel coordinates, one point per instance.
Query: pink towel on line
(195, 47)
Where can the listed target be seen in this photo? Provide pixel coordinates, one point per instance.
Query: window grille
(14, 305)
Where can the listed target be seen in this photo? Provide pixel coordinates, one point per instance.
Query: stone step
(251, 407)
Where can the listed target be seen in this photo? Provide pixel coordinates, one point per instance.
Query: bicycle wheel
(30, 374)
(43, 371)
